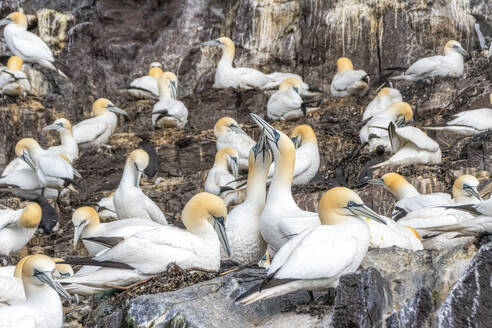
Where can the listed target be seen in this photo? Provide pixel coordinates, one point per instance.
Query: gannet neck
(223, 156)
(164, 89)
(285, 159)
(155, 72)
(405, 191)
(67, 140)
(256, 184)
(306, 133)
(18, 20)
(129, 177)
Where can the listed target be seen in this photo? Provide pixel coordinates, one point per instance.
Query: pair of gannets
(153, 250)
(146, 86)
(25, 44)
(227, 76)
(96, 131)
(385, 98)
(374, 132)
(347, 81)
(221, 177)
(13, 81)
(411, 145)
(469, 122)
(169, 112)
(129, 200)
(42, 307)
(451, 64)
(229, 134)
(316, 258)
(286, 103)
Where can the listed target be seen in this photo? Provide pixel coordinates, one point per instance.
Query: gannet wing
(88, 130)
(178, 109)
(303, 163)
(153, 210)
(11, 291)
(147, 83)
(408, 205)
(29, 45)
(480, 119)
(291, 226)
(14, 165)
(344, 80)
(9, 216)
(56, 166)
(473, 226)
(20, 321)
(417, 137)
(428, 217)
(23, 178)
(424, 66)
(251, 77)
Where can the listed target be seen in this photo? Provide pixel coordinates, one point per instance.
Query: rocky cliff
(103, 45)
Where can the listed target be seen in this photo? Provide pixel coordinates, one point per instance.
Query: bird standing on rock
(13, 81)
(169, 112)
(221, 176)
(347, 81)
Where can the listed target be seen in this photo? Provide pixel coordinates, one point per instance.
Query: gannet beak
(114, 109)
(296, 89)
(174, 89)
(47, 278)
(27, 158)
(261, 146)
(237, 129)
(5, 21)
(234, 167)
(53, 126)
(365, 212)
(400, 122)
(472, 191)
(219, 227)
(138, 175)
(379, 182)
(270, 132)
(77, 231)
(296, 141)
(215, 43)
(462, 51)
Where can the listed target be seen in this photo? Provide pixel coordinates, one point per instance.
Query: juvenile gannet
(198, 246)
(25, 44)
(348, 82)
(286, 103)
(281, 218)
(43, 308)
(169, 112)
(13, 81)
(96, 131)
(220, 176)
(17, 227)
(229, 134)
(399, 112)
(86, 224)
(243, 222)
(227, 76)
(316, 258)
(146, 86)
(129, 200)
(451, 64)
(468, 122)
(411, 145)
(385, 98)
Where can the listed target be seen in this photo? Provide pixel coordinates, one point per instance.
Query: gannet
(198, 246)
(468, 122)
(105, 207)
(25, 44)
(11, 287)
(348, 82)
(13, 81)
(385, 98)
(316, 258)
(229, 134)
(286, 103)
(393, 234)
(43, 308)
(281, 218)
(96, 131)
(220, 176)
(227, 76)
(169, 112)
(373, 131)
(129, 200)
(146, 86)
(17, 227)
(242, 224)
(86, 224)
(411, 145)
(451, 64)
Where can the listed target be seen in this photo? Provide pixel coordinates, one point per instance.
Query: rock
(415, 313)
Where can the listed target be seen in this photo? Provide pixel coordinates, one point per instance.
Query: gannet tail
(51, 66)
(262, 291)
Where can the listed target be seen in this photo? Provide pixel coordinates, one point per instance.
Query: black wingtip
(90, 261)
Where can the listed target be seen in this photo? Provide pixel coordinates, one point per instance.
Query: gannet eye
(36, 272)
(65, 274)
(466, 186)
(351, 204)
(220, 219)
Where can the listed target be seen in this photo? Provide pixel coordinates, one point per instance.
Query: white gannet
(227, 76)
(43, 307)
(17, 227)
(348, 82)
(169, 112)
(243, 221)
(105, 207)
(146, 86)
(96, 131)
(451, 64)
(393, 234)
(25, 44)
(468, 122)
(13, 81)
(316, 258)
(281, 218)
(129, 200)
(286, 103)
(221, 176)
(86, 224)
(11, 287)
(198, 246)
(374, 131)
(411, 145)
(229, 134)
(384, 99)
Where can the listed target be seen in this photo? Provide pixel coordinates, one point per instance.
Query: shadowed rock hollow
(103, 45)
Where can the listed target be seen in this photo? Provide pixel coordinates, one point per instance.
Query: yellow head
(26, 144)
(221, 157)
(18, 19)
(465, 187)
(223, 125)
(14, 63)
(85, 216)
(402, 109)
(18, 267)
(140, 158)
(31, 216)
(305, 134)
(168, 84)
(394, 182)
(389, 92)
(454, 46)
(291, 83)
(227, 45)
(344, 64)
(64, 270)
(102, 106)
(155, 72)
